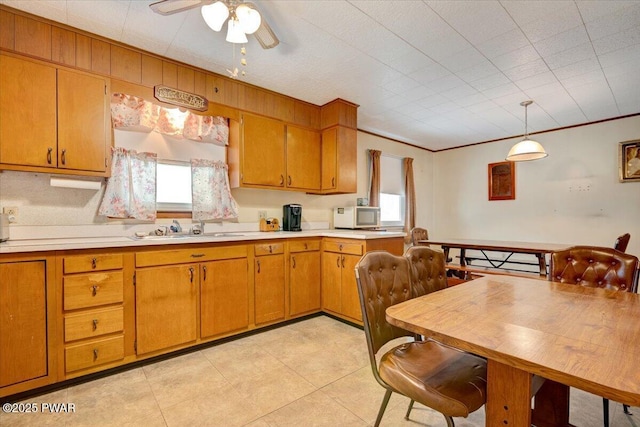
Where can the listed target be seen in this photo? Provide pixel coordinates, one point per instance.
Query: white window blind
(391, 191)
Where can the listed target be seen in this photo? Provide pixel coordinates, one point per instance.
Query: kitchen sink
(167, 237)
(220, 234)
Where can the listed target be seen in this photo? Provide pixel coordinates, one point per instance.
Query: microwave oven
(356, 217)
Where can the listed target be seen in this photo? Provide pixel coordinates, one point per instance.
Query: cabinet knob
(95, 324)
(305, 247)
(95, 354)
(338, 261)
(204, 272)
(340, 247)
(289, 180)
(270, 249)
(258, 264)
(191, 274)
(94, 290)
(281, 179)
(342, 262)
(49, 151)
(94, 263)
(293, 260)
(63, 156)
(333, 181)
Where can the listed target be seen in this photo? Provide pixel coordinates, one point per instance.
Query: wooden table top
(498, 245)
(582, 337)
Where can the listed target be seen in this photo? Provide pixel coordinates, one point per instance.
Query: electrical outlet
(262, 214)
(12, 213)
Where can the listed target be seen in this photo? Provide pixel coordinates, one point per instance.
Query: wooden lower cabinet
(339, 291)
(23, 322)
(224, 297)
(166, 307)
(269, 286)
(304, 277)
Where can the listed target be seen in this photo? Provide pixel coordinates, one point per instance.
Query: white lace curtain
(211, 193)
(131, 189)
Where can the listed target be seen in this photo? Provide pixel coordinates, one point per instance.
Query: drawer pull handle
(289, 180)
(281, 179)
(340, 247)
(305, 247)
(191, 274)
(95, 324)
(258, 261)
(342, 262)
(333, 181)
(270, 249)
(94, 263)
(49, 151)
(338, 261)
(94, 290)
(63, 156)
(294, 261)
(204, 273)
(95, 354)
(197, 255)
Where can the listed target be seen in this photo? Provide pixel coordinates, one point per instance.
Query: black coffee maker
(292, 217)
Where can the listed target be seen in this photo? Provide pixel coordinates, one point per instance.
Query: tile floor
(311, 373)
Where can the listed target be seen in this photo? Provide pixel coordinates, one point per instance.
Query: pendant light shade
(527, 149)
(235, 33)
(215, 14)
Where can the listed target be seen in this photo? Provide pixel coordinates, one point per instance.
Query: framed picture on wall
(629, 160)
(502, 181)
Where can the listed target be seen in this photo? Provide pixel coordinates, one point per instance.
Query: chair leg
(383, 406)
(406, 417)
(605, 411)
(450, 422)
(626, 410)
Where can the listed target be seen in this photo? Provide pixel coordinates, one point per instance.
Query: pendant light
(527, 149)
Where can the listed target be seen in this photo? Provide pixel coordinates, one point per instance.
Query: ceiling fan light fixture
(215, 15)
(249, 18)
(266, 36)
(235, 33)
(527, 149)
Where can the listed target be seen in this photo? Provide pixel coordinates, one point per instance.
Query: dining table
(529, 330)
(538, 249)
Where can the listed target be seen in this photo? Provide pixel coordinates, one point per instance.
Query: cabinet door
(304, 151)
(23, 322)
(224, 297)
(263, 161)
(27, 113)
(304, 282)
(331, 281)
(329, 158)
(350, 298)
(269, 288)
(82, 130)
(166, 299)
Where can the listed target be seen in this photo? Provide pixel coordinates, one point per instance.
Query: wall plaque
(181, 98)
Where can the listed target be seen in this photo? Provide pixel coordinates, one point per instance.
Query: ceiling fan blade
(265, 36)
(169, 7)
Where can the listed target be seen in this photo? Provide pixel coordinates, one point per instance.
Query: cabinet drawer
(90, 290)
(183, 256)
(343, 248)
(94, 353)
(269, 248)
(87, 263)
(304, 245)
(93, 324)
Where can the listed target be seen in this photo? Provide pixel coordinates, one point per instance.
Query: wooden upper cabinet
(304, 151)
(339, 160)
(61, 123)
(27, 113)
(263, 155)
(83, 129)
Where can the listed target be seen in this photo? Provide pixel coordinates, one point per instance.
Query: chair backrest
(622, 242)
(428, 272)
(383, 280)
(594, 266)
(418, 233)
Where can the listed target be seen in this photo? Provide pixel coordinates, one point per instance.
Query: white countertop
(39, 245)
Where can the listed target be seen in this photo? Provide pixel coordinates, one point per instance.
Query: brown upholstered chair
(417, 234)
(597, 267)
(447, 380)
(428, 272)
(622, 242)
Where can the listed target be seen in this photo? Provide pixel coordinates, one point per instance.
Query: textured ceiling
(436, 74)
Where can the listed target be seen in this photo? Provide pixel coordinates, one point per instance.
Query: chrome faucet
(198, 228)
(176, 227)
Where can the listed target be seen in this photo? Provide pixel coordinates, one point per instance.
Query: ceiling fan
(243, 18)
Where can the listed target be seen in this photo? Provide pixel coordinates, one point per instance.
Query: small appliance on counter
(269, 224)
(4, 227)
(292, 217)
(353, 217)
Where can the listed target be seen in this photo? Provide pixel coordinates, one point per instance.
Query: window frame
(168, 209)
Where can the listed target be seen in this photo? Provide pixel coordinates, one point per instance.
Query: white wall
(573, 196)
(40, 204)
